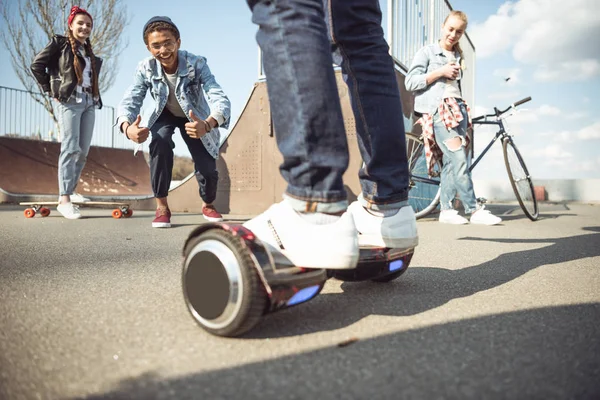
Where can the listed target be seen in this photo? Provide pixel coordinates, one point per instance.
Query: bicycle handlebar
(499, 113)
(525, 100)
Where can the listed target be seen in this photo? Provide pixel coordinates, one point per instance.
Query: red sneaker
(211, 214)
(163, 218)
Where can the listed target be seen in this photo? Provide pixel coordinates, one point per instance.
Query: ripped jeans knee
(455, 143)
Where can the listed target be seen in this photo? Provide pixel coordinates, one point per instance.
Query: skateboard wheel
(29, 213)
(220, 284)
(117, 214)
(44, 212)
(128, 213)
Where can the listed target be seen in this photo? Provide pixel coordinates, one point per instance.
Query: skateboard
(121, 210)
(231, 280)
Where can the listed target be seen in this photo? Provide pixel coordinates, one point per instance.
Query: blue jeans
(76, 122)
(297, 57)
(455, 177)
(161, 158)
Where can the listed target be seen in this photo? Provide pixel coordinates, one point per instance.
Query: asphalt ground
(94, 309)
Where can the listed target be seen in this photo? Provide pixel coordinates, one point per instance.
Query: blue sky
(549, 50)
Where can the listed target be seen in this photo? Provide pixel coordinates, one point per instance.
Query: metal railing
(22, 116)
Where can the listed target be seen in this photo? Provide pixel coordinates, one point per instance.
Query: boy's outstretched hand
(135, 133)
(197, 128)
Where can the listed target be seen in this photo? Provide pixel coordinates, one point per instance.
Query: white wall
(584, 190)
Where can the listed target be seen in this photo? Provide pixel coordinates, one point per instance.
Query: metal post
(432, 26)
(260, 68)
(112, 129)
(390, 32)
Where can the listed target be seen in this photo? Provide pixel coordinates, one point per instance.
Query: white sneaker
(395, 231)
(286, 234)
(77, 198)
(69, 210)
(484, 217)
(452, 217)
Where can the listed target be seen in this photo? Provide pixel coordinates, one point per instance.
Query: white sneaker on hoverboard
(285, 233)
(397, 231)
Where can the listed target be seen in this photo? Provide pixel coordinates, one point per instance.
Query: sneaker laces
(483, 211)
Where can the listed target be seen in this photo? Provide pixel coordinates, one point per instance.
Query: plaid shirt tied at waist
(450, 114)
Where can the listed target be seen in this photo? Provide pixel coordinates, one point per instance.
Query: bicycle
(424, 190)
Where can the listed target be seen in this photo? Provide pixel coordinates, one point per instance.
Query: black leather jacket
(53, 69)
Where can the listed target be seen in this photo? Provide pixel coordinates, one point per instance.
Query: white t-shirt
(452, 88)
(87, 70)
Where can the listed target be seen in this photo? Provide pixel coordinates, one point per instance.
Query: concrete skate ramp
(249, 179)
(29, 172)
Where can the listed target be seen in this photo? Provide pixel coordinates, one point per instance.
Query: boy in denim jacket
(175, 79)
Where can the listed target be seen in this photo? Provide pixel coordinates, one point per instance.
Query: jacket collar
(437, 49)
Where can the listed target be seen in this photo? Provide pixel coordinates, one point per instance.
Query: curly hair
(160, 26)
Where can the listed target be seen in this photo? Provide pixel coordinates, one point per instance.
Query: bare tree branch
(28, 25)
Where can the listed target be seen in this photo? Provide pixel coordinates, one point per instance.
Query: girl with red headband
(67, 70)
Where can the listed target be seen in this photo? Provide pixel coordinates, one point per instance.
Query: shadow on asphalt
(550, 353)
(422, 289)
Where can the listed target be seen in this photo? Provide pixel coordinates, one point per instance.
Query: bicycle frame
(500, 134)
(424, 191)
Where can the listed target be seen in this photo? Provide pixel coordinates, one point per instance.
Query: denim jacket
(194, 75)
(427, 59)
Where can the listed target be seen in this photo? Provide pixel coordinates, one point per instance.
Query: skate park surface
(94, 309)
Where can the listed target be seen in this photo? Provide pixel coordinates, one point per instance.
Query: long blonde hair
(462, 16)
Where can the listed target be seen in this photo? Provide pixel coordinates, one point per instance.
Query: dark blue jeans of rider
(299, 40)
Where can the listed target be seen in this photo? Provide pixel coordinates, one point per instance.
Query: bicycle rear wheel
(520, 180)
(424, 191)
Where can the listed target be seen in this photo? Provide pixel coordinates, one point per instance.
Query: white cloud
(591, 132)
(503, 96)
(568, 71)
(545, 109)
(576, 115)
(553, 152)
(522, 116)
(557, 37)
(585, 166)
(480, 110)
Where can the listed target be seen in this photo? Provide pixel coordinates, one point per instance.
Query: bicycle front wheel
(424, 191)
(520, 180)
